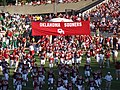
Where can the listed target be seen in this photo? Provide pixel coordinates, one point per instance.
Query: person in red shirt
(15, 51)
(24, 42)
(108, 58)
(6, 54)
(11, 59)
(117, 67)
(1, 55)
(56, 56)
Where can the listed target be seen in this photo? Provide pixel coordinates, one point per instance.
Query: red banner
(61, 28)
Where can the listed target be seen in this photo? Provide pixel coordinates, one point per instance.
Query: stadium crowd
(19, 49)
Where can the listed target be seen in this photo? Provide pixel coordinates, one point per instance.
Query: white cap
(108, 72)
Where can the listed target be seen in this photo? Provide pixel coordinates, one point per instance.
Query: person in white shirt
(31, 49)
(108, 79)
(98, 57)
(115, 55)
(88, 60)
(101, 61)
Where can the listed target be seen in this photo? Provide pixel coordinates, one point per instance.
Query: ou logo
(60, 31)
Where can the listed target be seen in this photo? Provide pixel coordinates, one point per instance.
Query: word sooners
(72, 24)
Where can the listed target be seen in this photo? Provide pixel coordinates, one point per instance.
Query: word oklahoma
(72, 24)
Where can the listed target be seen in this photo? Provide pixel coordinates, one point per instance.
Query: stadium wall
(49, 8)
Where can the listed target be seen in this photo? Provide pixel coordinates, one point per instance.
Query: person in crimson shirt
(15, 51)
(108, 58)
(1, 55)
(29, 57)
(56, 56)
(117, 67)
(6, 54)
(11, 59)
(23, 42)
(78, 58)
(16, 59)
(1, 58)
(9, 34)
(33, 60)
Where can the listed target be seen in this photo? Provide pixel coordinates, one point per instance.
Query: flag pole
(55, 12)
(55, 7)
(4, 2)
(16, 2)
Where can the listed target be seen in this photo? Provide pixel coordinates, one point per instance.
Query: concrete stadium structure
(48, 8)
